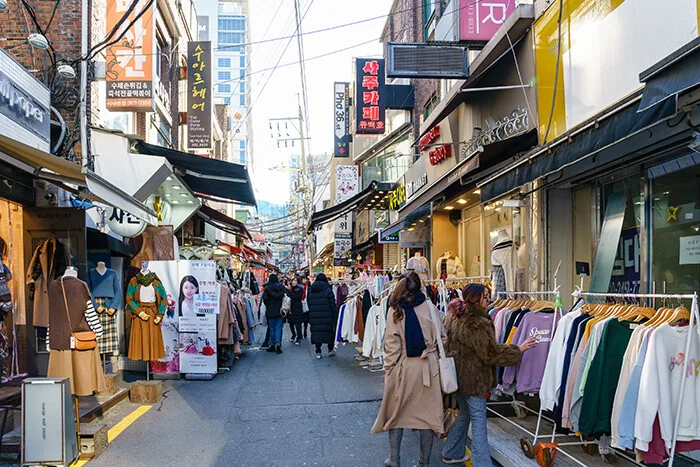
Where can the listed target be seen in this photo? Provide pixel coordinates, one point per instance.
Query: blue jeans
(275, 325)
(471, 409)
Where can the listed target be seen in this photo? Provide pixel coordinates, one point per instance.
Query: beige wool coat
(412, 393)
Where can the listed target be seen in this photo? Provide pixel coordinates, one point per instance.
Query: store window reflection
(675, 214)
(389, 164)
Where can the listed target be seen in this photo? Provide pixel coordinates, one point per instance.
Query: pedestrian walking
(305, 305)
(272, 297)
(296, 314)
(323, 314)
(471, 340)
(412, 394)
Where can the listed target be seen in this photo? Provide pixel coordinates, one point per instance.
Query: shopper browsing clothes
(323, 314)
(412, 394)
(296, 314)
(272, 298)
(472, 343)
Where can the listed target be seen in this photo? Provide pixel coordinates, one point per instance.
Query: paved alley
(269, 410)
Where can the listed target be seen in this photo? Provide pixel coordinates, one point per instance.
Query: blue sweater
(106, 286)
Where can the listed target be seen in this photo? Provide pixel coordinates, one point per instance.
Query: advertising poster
(189, 325)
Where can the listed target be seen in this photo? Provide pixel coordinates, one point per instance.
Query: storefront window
(388, 165)
(471, 240)
(675, 237)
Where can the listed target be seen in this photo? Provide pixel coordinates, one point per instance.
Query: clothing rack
(694, 320)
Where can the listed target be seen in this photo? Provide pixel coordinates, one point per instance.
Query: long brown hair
(408, 286)
(471, 295)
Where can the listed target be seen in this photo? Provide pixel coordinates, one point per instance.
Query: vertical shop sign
(130, 63)
(370, 96)
(346, 186)
(479, 21)
(609, 241)
(199, 107)
(341, 119)
(626, 274)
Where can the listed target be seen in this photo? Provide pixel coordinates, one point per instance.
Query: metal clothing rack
(694, 320)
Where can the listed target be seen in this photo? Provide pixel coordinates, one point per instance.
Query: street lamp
(66, 71)
(37, 41)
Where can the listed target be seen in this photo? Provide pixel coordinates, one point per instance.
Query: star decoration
(672, 212)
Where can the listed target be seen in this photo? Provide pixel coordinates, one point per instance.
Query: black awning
(97, 240)
(214, 179)
(594, 138)
(223, 222)
(676, 73)
(334, 212)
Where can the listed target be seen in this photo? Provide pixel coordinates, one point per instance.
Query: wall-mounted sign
(397, 197)
(341, 120)
(390, 238)
(342, 243)
(514, 124)
(124, 224)
(370, 96)
(429, 138)
(203, 22)
(347, 179)
(440, 154)
(131, 62)
(479, 21)
(199, 106)
(24, 105)
(412, 186)
(690, 250)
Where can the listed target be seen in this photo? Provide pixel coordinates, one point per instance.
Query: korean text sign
(370, 96)
(479, 21)
(130, 65)
(341, 120)
(199, 97)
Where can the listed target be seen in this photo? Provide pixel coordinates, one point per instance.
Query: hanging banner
(341, 115)
(347, 185)
(131, 62)
(370, 99)
(189, 325)
(199, 95)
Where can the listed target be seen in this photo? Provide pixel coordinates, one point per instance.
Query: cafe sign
(397, 197)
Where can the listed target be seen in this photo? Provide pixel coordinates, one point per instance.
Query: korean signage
(369, 96)
(626, 277)
(436, 153)
(347, 185)
(130, 62)
(479, 21)
(199, 106)
(122, 223)
(341, 120)
(397, 197)
(690, 250)
(24, 105)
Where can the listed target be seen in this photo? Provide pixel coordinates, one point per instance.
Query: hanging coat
(412, 393)
(323, 312)
(48, 262)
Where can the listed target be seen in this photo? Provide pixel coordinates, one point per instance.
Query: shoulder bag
(448, 371)
(286, 305)
(82, 340)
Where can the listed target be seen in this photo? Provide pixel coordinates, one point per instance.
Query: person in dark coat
(272, 297)
(307, 315)
(296, 315)
(323, 314)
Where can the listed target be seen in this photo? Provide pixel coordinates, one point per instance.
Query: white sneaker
(318, 356)
(446, 460)
(331, 353)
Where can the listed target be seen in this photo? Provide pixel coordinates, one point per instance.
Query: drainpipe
(84, 84)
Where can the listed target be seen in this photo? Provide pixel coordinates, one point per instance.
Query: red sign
(440, 154)
(479, 21)
(369, 96)
(429, 138)
(259, 274)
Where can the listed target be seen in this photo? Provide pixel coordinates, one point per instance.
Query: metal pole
(498, 88)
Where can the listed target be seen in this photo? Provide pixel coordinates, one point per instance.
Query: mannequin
(71, 311)
(106, 292)
(449, 266)
(503, 272)
(146, 299)
(420, 265)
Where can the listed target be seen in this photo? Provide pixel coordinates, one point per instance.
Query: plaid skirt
(109, 342)
(499, 282)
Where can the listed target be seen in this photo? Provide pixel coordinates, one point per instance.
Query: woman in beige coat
(412, 394)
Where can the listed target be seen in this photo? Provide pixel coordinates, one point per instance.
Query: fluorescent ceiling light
(449, 208)
(462, 201)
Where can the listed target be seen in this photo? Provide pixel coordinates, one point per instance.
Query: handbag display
(448, 370)
(82, 340)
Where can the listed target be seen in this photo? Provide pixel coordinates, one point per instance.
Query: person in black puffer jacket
(296, 316)
(272, 298)
(323, 314)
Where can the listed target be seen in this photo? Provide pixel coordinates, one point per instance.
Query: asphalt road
(269, 410)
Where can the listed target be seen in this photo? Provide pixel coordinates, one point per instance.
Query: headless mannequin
(102, 269)
(71, 271)
(502, 255)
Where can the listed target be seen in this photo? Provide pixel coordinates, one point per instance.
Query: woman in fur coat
(471, 340)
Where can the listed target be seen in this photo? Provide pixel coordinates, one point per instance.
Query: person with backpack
(273, 298)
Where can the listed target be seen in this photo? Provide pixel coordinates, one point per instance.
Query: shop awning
(513, 30)
(55, 169)
(589, 138)
(97, 240)
(211, 178)
(223, 222)
(334, 212)
(486, 156)
(676, 73)
(325, 251)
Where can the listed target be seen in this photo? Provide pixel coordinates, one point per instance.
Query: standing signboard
(370, 96)
(347, 185)
(341, 120)
(199, 95)
(131, 62)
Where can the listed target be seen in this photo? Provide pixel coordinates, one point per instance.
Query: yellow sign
(397, 197)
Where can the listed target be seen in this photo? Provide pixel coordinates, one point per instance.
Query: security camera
(49, 196)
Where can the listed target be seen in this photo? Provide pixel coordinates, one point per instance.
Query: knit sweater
(82, 313)
(133, 292)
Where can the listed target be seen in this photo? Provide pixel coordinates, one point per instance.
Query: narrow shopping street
(269, 410)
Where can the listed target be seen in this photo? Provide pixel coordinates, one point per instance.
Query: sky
(278, 98)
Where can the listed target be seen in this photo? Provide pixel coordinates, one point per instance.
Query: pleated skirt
(146, 341)
(82, 367)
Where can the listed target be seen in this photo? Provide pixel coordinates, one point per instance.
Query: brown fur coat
(471, 340)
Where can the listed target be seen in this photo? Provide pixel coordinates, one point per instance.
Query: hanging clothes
(49, 262)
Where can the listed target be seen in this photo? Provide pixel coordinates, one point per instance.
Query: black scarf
(415, 341)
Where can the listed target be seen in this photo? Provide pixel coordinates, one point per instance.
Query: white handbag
(448, 370)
